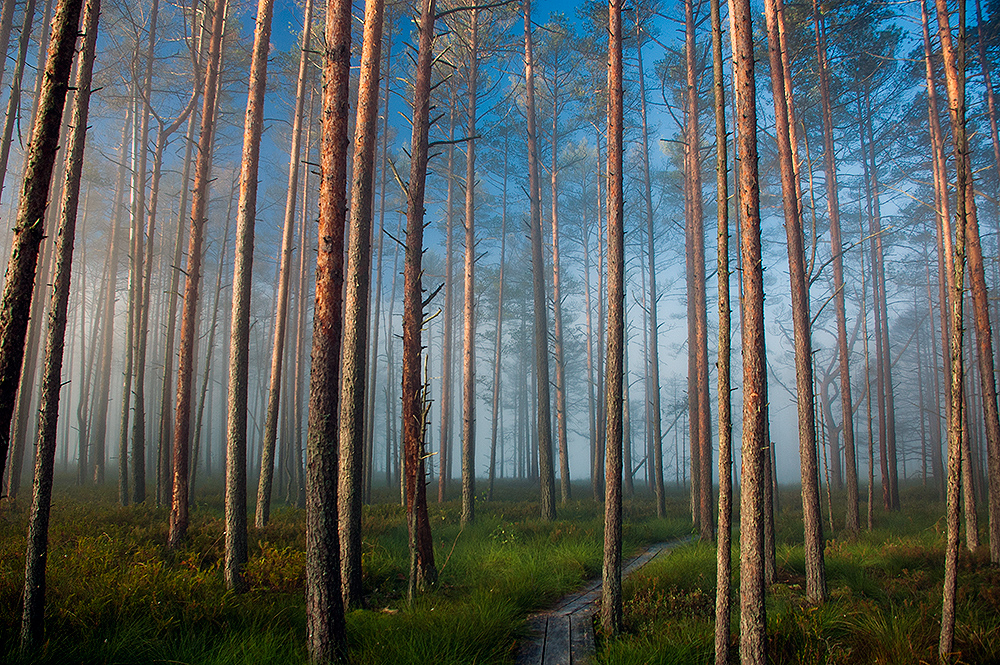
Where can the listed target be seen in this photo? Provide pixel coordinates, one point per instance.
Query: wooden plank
(533, 646)
(581, 630)
(557, 641)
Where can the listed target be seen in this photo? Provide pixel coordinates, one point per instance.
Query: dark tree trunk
(63, 41)
(541, 323)
(19, 283)
(414, 397)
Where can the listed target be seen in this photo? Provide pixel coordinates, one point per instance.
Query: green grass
(116, 594)
(884, 602)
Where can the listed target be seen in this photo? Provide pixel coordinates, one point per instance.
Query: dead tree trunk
(414, 390)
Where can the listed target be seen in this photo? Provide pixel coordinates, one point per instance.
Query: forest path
(564, 633)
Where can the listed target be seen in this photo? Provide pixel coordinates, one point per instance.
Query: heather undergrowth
(116, 594)
(884, 602)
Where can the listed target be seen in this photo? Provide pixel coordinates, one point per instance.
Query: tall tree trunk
(541, 326)
(611, 589)
(356, 316)
(853, 520)
(447, 332)
(557, 323)
(414, 396)
(281, 308)
(698, 395)
(812, 518)
(19, 283)
(498, 344)
(186, 359)
(324, 602)
(752, 612)
(724, 563)
(954, 68)
(163, 456)
(654, 466)
(63, 41)
(469, 312)
(239, 344)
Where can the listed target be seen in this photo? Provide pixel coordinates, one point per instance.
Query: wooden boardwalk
(564, 634)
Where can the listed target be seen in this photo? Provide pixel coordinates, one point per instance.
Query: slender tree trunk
(358, 279)
(954, 67)
(186, 359)
(63, 40)
(815, 573)
(6, 24)
(541, 327)
(281, 311)
(853, 520)
(498, 344)
(239, 343)
(414, 396)
(163, 475)
(752, 612)
(611, 589)
(448, 336)
(19, 283)
(557, 323)
(654, 466)
(724, 563)
(469, 313)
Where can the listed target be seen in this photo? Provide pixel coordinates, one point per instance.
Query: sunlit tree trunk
(358, 279)
(57, 74)
(752, 613)
(541, 325)
(469, 311)
(186, 360)
(954, 69)
(447, 332)
(611, 589)
(324, 601)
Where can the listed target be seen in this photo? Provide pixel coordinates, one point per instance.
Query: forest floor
(117, 595)
(884, 602)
